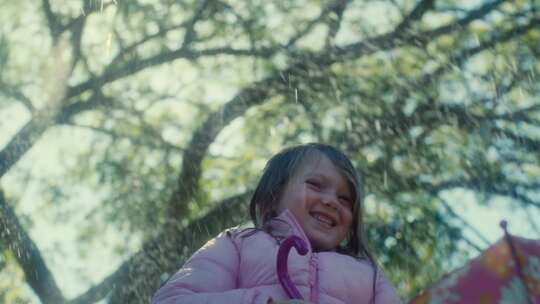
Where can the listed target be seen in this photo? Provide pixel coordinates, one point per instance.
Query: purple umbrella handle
(282, 256)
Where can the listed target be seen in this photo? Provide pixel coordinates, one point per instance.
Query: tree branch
(190, 33)
(473, 15)
(334, 24)
(162, 144)
(20, 143)
(77, 28)
(17, 240)
(530, 144)
(451, 211)
(100, 291)
(533, 222)
(336, 5)
(484, 186)
(355, 50)
(42, 119)
(521, 115)
(399, 37)
(55, 27)
(416, 14)
(134, 66)
(187, 184)
(10, 91)
(468, 241)
(130, 48)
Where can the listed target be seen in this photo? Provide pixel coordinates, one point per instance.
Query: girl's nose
(330, 201)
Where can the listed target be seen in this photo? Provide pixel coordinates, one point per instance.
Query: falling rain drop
(282, 76)
(476, 39)
(378, 125)
(221, 115)
(108, 45)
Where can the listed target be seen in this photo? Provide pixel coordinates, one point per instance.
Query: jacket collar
(285, 225)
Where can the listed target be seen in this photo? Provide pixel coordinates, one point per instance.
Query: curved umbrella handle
(283, 254)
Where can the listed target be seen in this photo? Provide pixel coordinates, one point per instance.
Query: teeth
(324, 219)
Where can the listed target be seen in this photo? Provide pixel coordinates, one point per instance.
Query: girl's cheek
(306, 192)
(346, 215)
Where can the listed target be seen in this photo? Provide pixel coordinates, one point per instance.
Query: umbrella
(507, 272)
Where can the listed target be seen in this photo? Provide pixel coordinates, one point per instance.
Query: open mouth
(323, 219)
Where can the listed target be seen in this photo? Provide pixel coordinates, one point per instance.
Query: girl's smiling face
(320, 199)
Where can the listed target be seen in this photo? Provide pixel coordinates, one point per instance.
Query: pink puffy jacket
(242, 270)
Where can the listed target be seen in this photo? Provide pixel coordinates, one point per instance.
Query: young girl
(310, 191)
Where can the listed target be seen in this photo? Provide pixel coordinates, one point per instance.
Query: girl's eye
(345, 201)
(314, 184)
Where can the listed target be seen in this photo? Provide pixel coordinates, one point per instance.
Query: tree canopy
(159, 117)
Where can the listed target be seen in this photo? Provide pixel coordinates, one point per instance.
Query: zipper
(313, 278)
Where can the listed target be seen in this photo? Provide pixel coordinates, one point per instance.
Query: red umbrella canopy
(504, 273)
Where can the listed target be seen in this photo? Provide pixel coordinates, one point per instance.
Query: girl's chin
(320, 244)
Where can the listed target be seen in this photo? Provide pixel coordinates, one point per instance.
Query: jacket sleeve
(385, 293)
(210, 276)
